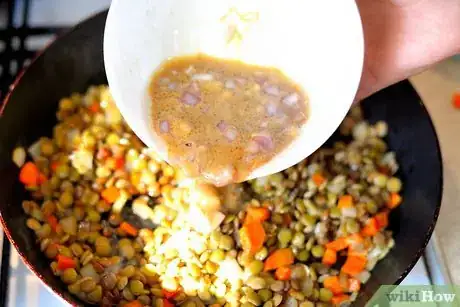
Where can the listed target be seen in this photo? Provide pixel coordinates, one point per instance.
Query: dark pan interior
(75, 61)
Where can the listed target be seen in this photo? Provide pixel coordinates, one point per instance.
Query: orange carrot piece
(252, 237)
(354, 265)
(256, 214)
(338, 244)
(53, 222)
(345, 201)
(456, 99)
(354, 285)
(65, 262)
(95, 107)
(30, 175)
(371, 227)
(318, 179)
(135, 303)
(111, 194)
(167, 303)
(382, 219)
(283, 273)
(129, 229)
(279, 258)
(329, 257)
(119, 163)
(394, 201)
(54, 165)
(169, 294)
(338, 299)
(333, 283)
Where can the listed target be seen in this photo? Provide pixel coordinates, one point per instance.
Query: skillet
(75, 61)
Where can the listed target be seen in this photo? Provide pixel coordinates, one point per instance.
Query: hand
(403, 37)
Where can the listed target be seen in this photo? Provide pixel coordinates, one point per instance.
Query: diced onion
(19, 156)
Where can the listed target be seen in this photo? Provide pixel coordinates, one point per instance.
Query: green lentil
(261, 254)
(325, 295)
(255, 267)
(298, 240)
(217, 256)
(284, 237)
(394, 185)
(136, 287)
(317, 251)
(303, 255)
(69, 276)
(352, 226)
(265, 294)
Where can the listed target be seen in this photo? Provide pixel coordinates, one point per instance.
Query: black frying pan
(75, 61)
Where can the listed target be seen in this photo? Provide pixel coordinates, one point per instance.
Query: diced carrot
(354, 265)
(42, 178)
(371, 227)
(135, 303)
(318, 179)
(102, 153)
(252, 237)
(329, 257)
(362, 253)
(279, 258)
(119, 163)
(95, 107)
(354, 285)
(287, 219)
(169, 294)
(382, 219)
(256, 214)
(110, 195)
(338, 299)
(394, 201)
(345, 201)
(30, 175)
(65, 262)
(53, 221)
(456, 99)
(129, 229)
(167, 303)
(333, 283)
(54, 165)
(283, 273)
(338, 244)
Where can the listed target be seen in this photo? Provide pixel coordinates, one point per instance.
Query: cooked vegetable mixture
(114, 220)
(221, 119)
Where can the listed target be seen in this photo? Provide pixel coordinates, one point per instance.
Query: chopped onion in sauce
(202, 77)
(291, 99)
(272, 90)
(264, 141)
(190, 99)
(164, 126)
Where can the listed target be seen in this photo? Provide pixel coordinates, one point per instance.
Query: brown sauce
(221, 119)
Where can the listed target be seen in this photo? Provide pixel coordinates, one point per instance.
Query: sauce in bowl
(221, 119)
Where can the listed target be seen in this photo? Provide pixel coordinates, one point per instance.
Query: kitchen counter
(436, 86)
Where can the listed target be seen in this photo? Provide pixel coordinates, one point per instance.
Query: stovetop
(25, 27)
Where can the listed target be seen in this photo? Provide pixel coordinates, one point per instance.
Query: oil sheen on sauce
(220, 118)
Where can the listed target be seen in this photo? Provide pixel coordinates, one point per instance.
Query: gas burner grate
(16, 40)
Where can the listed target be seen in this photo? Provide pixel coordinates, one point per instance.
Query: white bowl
(318, 43)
